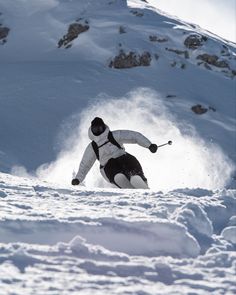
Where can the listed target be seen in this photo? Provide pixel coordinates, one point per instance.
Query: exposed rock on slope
(155, 38)
(179, 52)
(4, 31)
(199, 109)
(130, 60)
(194, 41)
(213, 60)
(73, 32)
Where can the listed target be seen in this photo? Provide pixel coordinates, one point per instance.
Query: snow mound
(78, 246)
(195, 218)
(148, 238)
(115, 241)
(229, 233)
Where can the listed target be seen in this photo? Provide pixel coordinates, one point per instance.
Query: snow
(69, 240)
(229, 233)
(176, 238)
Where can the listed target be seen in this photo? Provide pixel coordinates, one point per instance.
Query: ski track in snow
(79, 241)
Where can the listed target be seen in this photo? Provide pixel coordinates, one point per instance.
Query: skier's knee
(138, 182)
(122, 181)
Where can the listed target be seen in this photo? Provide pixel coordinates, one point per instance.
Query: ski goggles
(98, 129)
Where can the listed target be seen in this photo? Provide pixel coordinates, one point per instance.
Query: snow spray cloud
(189, 162)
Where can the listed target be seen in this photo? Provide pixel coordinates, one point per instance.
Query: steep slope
(64, 62)
(60, 58)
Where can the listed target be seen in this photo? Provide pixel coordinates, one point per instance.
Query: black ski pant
(125, 164)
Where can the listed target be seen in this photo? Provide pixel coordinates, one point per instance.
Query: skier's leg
(131, 167)
(138, 182)
(122, 181)
(111, 169)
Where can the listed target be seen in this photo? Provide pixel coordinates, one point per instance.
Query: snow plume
(20, 171)
(189, 162)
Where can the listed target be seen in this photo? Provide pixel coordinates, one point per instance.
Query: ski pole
(169, 143)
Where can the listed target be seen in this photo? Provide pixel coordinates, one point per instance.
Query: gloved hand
(75, 181)
(153, 147)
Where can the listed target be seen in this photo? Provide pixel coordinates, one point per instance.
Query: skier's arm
(128, 136)
(86, 163)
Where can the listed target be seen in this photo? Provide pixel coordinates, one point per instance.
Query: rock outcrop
(4, 31)
(213, 60)
(137, 13)
(130, 60)
(74, 30)
(179, 52)
(199, 109)
(194, 41)
(155, 38)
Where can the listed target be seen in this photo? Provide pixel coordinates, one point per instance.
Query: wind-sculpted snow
(77, 241)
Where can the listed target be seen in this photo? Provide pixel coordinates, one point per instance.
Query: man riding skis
(116, 165)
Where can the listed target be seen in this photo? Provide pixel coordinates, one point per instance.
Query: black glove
(75, 181)
(153, 148)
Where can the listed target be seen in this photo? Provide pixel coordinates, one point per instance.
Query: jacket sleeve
(128, 136)
(86, 163)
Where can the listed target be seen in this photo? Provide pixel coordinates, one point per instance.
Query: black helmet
(97, 126)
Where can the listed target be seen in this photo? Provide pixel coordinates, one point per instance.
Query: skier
(116, 165)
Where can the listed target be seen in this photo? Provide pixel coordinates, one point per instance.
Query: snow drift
(116, 239)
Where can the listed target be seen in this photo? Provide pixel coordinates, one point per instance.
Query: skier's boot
(122, 181)
(137, 182)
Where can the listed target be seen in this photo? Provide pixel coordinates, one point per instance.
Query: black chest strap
(110, 138)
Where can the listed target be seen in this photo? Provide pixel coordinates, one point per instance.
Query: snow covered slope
(62, 64)
(66, 241)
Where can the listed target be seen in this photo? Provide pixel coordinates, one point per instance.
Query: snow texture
(64, 240)
(176, 238)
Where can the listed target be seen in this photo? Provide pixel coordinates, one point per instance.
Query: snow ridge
(155, 241)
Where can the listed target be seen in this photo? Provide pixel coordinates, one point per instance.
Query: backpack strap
(110, 139)
(95, 148)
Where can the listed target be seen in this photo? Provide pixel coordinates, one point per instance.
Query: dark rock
(198, 109)
(136, 13)
(4, 31)
(68, 46)
(206, 65)
(122, 30)
(171, 96)
(179, 52)
(130, 60)
(194, 41)
(73, 32)
(213, 60)
(154, 38)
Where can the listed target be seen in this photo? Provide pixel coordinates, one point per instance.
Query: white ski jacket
(108, 150)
